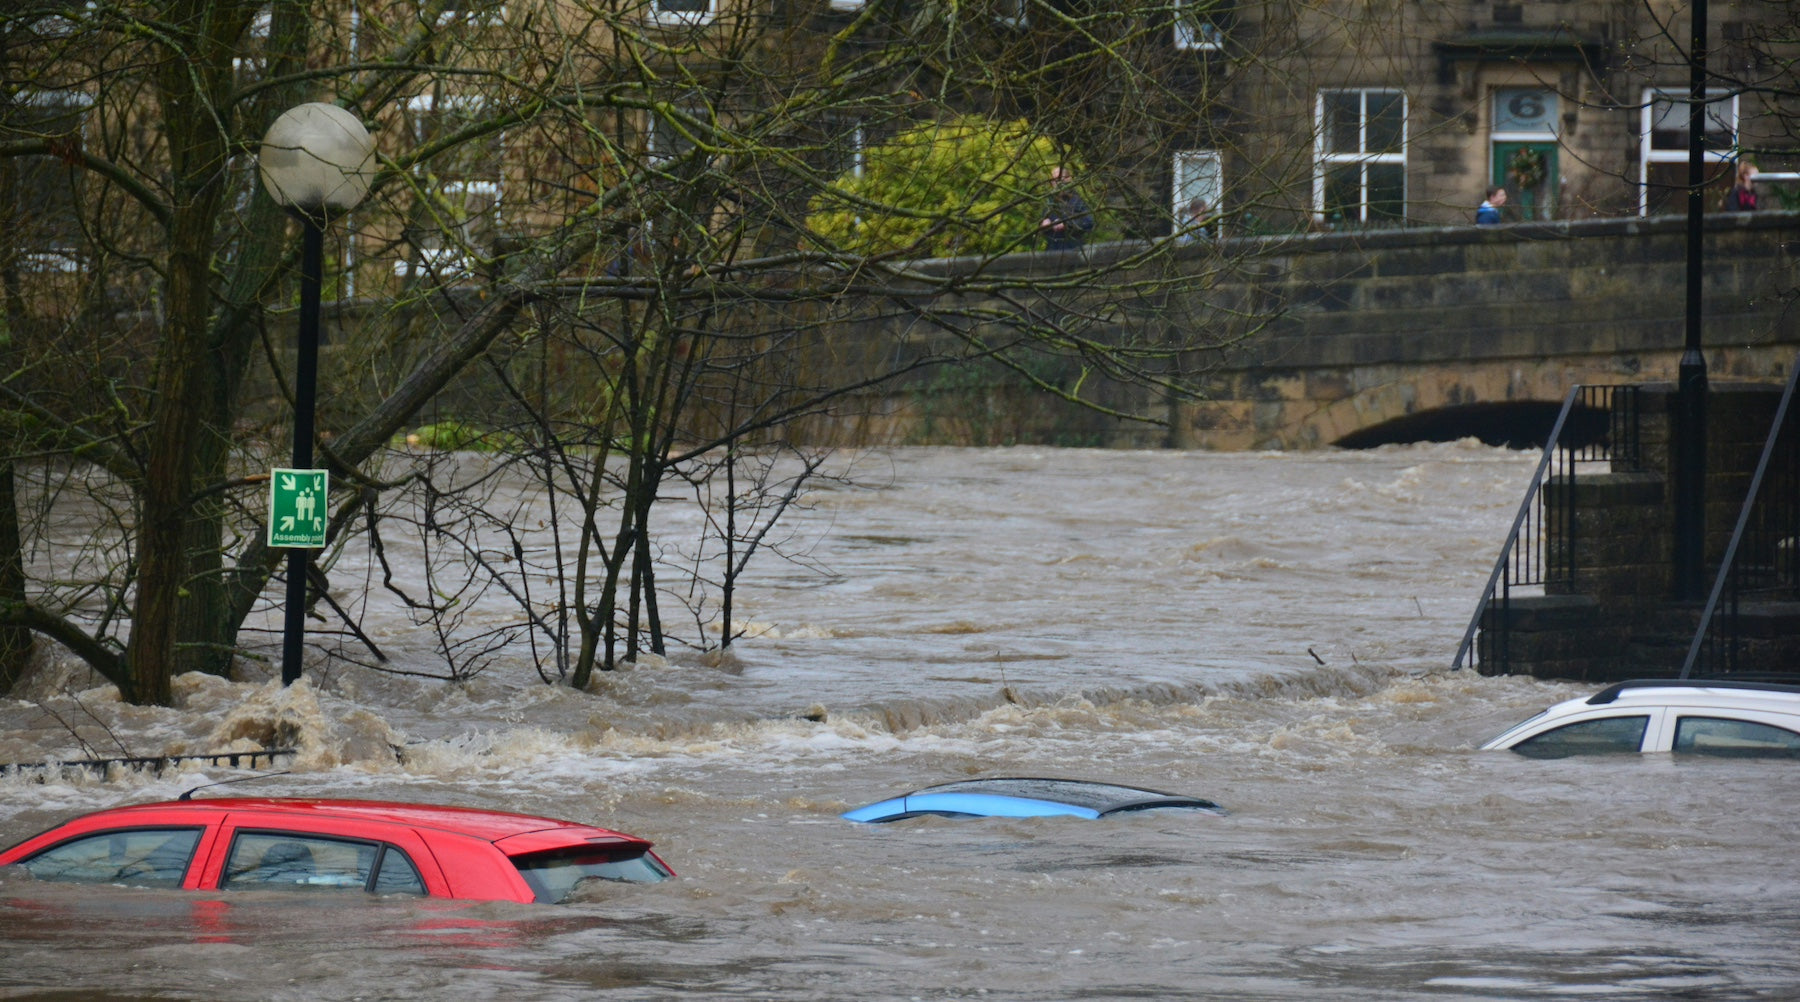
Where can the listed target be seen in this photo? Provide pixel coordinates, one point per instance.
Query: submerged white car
(1684, 716)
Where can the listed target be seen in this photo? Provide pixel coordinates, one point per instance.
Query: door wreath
(1526, 168)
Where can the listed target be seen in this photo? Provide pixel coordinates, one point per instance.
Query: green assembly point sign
(297, 508)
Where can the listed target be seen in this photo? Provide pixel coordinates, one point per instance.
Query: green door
(1529, 172)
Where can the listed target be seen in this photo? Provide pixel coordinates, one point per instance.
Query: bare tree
(590, 237)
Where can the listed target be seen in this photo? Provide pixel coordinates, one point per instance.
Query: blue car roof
(1026, 797)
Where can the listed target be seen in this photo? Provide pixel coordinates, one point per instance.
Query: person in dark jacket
(1489, 213)
(1742, 196)
(1193, 224)
(1067, 219)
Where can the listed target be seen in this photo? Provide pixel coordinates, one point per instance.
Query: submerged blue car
(1027, 797)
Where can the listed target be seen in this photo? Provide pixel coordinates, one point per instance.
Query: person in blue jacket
(1489, 213)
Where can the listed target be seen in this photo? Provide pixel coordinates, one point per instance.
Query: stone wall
(1329, 335)
(1375, 328)
(1335, 334)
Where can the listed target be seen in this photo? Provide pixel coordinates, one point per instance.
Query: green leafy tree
(968, 185)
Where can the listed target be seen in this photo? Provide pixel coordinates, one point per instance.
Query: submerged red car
(380, 847)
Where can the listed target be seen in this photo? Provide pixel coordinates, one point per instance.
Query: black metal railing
(46, 771)
(1762, 560)
(1597, 424)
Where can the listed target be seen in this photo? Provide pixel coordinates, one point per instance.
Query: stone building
(1403, 113)
(1281, 115)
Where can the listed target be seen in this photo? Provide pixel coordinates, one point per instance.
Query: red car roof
(490, 825)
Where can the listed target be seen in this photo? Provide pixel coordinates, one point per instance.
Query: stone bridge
(1443, 332)
(1404, 335)
(1400, 335)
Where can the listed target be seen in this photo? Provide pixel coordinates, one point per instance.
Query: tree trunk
(15, 641)
(186, 379)
(169, 471)
(209, 621)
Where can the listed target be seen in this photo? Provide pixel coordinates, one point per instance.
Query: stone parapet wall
(1328, 335)
(1737, 426)
(1374, 328)
(1558, 636)
(1620, 536)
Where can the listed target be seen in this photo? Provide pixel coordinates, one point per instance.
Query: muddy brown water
(1270, 631)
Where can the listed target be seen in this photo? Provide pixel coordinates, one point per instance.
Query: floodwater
(1270, 631)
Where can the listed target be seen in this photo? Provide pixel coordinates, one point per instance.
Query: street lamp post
(316, 162)
(1690, 385)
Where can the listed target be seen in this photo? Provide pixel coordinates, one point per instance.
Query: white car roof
(1779, 696)
(1749, 699)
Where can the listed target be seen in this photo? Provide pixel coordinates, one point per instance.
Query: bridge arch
(1514, 424)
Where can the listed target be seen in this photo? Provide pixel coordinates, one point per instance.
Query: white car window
(1604, 736)
(1736, 738)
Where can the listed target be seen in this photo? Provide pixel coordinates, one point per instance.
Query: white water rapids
(1270, 631)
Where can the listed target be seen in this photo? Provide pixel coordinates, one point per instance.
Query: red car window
(396, 874)
(289, 861)
(355, 853)
(555, 877)
(143, 857)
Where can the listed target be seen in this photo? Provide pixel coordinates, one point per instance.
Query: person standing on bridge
(1489, 213)
(1742, 196)
(1193, 224)
(1067, 218)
